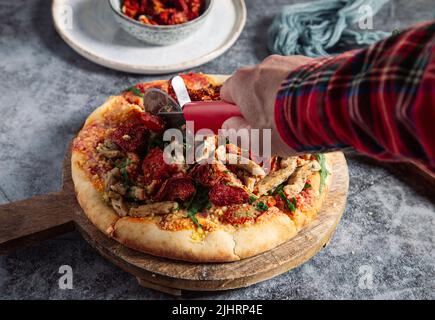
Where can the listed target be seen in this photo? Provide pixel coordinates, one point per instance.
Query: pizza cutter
(204, 114)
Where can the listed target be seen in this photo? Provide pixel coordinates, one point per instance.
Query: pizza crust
(91, 201)
(222, 245)
(217, 246)
(260, 237)
(145, 236)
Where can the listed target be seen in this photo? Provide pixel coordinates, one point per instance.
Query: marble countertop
(383, 247)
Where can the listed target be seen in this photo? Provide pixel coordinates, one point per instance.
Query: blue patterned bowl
(161, 34)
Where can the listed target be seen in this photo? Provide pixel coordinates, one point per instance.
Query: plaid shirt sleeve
(380, 100)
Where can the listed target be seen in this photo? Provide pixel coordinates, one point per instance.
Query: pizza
(203, 212)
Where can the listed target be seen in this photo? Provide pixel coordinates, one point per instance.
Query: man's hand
(254, 89)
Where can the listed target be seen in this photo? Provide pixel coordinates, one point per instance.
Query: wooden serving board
(30, 221)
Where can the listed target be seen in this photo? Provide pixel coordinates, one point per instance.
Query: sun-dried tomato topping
(224, 195)
(152, 122)
(203, 174)
(206, 175)
(164, 12)
(131, 8)
(182, 5)
(131, 137)
(146, 20)
(155, 168)
(176, 189)
(172, 16)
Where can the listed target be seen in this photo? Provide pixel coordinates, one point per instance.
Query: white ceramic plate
(89, 27)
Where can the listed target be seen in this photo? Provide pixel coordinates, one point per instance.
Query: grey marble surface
(46, 92)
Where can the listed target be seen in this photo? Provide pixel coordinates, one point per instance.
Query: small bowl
(158, 34)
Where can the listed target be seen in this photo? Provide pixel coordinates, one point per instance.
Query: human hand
(253, 89)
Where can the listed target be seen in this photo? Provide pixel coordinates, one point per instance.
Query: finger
(289, 62)
(236, 123)
(226, 91)
(234, 84)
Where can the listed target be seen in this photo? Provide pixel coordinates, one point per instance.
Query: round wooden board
(29, 221)
(173, 276)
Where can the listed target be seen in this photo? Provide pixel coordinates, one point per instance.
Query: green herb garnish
(197, 203)
(280, 192)
(209, 205)
(191, 213)
(252, 199)
(261, 206)
(135, 91)
(123, 169)
(323, 171)
(307, 186)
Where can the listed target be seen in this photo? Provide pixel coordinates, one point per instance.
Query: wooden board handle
(32, 220)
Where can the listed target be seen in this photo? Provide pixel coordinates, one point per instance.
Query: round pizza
(202, 212)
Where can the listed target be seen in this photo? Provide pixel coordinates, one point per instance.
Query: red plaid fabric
(379, 100)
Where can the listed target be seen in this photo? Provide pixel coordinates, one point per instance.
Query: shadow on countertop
(407, 173)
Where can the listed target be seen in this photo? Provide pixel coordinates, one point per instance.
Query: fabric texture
(312, 28)
(379, 100)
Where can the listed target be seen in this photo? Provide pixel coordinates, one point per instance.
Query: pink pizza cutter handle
(210, 114)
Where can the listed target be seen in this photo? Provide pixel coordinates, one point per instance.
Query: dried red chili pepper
(165, 12)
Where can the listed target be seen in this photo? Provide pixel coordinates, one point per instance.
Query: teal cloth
(312, 28)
